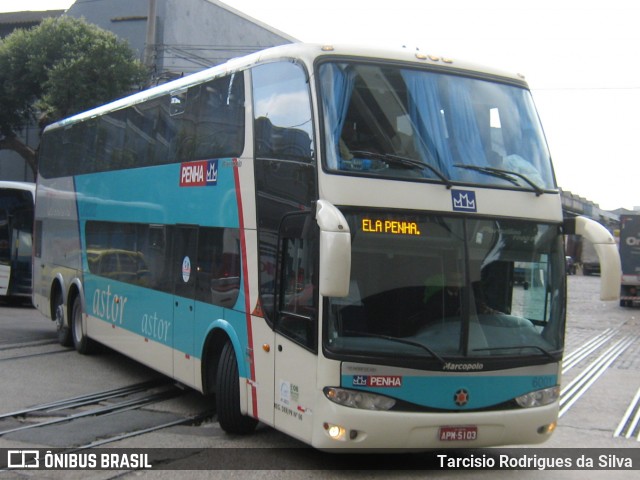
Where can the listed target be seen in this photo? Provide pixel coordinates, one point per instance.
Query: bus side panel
(57, 252)
(264, 361)
(143, 322)
(150, 353)
(131, 320)
(5, 273)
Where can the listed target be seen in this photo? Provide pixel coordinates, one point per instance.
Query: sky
(581, 59)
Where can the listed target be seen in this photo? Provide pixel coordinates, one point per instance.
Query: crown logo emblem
(212, 172)
(464, 200)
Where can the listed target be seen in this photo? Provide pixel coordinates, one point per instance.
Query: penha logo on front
(464, 200)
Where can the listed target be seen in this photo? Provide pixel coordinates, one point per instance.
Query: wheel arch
(219, 334)
(68, 295)
(75, 291)
(57, 288)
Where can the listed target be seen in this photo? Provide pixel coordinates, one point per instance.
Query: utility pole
(150, 41)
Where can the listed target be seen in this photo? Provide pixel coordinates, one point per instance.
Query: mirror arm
(335, 250)
(606, 249)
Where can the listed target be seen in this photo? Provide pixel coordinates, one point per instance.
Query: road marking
(579, 385)
(628, 425)
(575, 357)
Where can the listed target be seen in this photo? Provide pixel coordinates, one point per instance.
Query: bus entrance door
(5, 252)
(184, 263)
(296, 328)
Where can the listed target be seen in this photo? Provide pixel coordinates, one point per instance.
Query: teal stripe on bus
(442, 392)
(154, 195)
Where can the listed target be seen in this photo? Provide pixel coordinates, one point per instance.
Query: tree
(59, 68)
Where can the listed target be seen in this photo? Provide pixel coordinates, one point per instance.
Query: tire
(228, 395)
(62, 329)
(81, 342)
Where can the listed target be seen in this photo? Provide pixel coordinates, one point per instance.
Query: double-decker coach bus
(326, 238)
(16, 228)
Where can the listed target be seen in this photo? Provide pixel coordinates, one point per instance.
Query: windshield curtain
(458, 125)
(428, 286)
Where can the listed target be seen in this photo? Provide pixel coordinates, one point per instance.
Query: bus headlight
(539, 397)
(356, 399)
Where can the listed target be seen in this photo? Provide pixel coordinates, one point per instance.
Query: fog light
(547, 429)
(336, 432)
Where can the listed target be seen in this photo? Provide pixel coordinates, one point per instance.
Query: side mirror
(335, 250)
(607, 251)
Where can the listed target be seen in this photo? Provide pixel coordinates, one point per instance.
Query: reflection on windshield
(443, 126)
(450, 287)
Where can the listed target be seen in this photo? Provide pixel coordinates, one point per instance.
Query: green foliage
(62, 67)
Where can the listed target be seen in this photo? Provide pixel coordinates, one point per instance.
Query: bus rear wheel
(62, 330)
(81, 342)
(228, 395)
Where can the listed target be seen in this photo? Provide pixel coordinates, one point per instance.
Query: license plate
(458, 433)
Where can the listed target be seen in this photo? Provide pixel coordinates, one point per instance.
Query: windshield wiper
(504, 174)
(399, 340)
(517, 347)
(406, 162)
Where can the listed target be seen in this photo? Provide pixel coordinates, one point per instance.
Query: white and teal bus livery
(360, 248)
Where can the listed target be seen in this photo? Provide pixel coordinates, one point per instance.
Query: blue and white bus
(16, 229)
(326, 238)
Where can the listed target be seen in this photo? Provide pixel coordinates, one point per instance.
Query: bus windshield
(423, 125)
(448, 287)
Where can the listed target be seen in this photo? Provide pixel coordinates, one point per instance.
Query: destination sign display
(390, 226)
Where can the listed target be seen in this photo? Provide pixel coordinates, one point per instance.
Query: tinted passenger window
(298, 290)
(112, 252)
(130, 253)
(196, 123)
(218, 273)
(220, 127)
(209, 119)
(138, 253)
(282, 112)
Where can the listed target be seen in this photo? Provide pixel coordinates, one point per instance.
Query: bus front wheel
(228, 395)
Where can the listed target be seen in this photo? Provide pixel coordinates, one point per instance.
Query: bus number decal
(544, 382)
(202, 173)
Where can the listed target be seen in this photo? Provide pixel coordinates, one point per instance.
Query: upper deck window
(282, 112)
(416, 124)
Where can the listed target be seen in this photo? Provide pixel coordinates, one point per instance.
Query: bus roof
(307, 53)
(5, 184)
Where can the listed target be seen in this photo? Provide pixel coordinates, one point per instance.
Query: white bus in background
(16, 228)
(329, 239)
